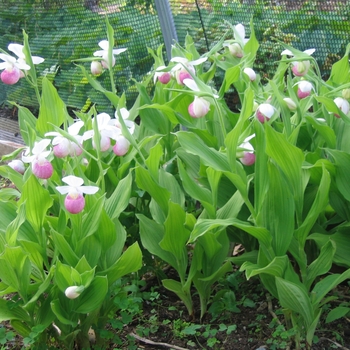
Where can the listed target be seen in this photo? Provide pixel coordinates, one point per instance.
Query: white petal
(104, 45)
(99, 53)
(130, 125)
(75, 128)
(118, 51)
(240, 30)
(102, 120)
(182, 60)
(40, 146)
(7, 58)
(199, 61)
(63, 189)
(73, 181)
(37, 59)
(191, 84)
(27, 159)
(22, 65)
(17, 49)
(88, 134)
(52, 133)
(310, 51)
(3, 65)
(124, 113)
(249, 138)
(89, 189)
(287, 52)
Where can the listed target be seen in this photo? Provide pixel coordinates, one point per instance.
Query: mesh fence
(65, 30)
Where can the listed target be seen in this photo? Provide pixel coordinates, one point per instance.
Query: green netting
(64, 30)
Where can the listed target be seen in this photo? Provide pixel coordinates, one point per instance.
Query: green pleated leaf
(337, 313)
(209, 156)
(91, 220)
(147, 183)
(321, 265)
(37, 201)
(340, 73)
(64, 248)
(204, 225)
(8, 311)
(293, 297)
(92, 297)
(175, 232)
(275, 268)
(277, 212)
(52, 108)
(130, 261)
(120, 197)
(153, 160)
(61, 313)
(324, 130)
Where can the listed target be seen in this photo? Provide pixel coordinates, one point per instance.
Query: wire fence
(65, 30)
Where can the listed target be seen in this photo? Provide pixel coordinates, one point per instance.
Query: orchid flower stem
(110, 70)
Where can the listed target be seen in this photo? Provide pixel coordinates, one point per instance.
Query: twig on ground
(335, 343)
(151, 342)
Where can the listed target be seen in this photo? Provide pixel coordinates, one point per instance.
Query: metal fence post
(167, 25)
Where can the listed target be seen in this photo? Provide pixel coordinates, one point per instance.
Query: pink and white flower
(183, 68)
(343, 105)
(299, 68)
(264, 112)
(64, 147)
(247, 155)
(73, 292)
(121, 146)
(17, 165)
(304, 89)
(11, 69)
(199, 107)
(96, 68)
(104, 45)
(162, 76)
(41, 167)
(75, 201)
(236, 46)
(250, 72)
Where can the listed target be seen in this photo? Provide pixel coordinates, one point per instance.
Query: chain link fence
(62, 31)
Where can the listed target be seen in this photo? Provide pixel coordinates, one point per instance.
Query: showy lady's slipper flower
(96, 68)
(247, 156)
(183, 67)
(106, 128)
(236, 48)
(299, 68)
(64, 147)
(128, 123)
(163, 77)
(41, 167)
(17, 165)
(250, 72)
(75, 201)
(304, 89)
(290, 103)
(74, 292)
(199, 107)
(104, 45)
(343, 105)
(17, 49)
(11, 69)
(121, 146)
(264, 112)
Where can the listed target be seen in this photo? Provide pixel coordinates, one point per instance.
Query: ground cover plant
(180, 180)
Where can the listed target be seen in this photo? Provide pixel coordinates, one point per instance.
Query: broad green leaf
(204, 225)
(177, 288)
(64, 277)
(232, 74)
(340, 72)
(293, 297)
(52, 109)
(9, 311)
(119, 200)
(27, 124)
(321, 265)
(147, 183)
(209, 156)
(37, 201)
(277, 212)
(275, 268)
(289, 158)
(92, 297)
(318, 206)
(153, 160)
(169, 182)
(106, 232)
(130, 261)
(151, 234)
(113, 253)
(232, 207)
(64, 248)
(62, 315)
(324, 130)
(91, 220)
(336, 313)
(175, 233)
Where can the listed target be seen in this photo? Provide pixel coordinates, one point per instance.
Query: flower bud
(304, 89)
(264, 112)
(74, 203)
(343, 105)
(122, 146)
(290, 103)
(105, 60)
(42, 169)
(250, 72)
(17, 165)
(181, 75)
(10, 76)
(300, 68)
(62, 149)
(235, 50)
(346, 94)
(165, 78)
(199, 107)
(248, 158)
(73, 292)
(96, 68)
